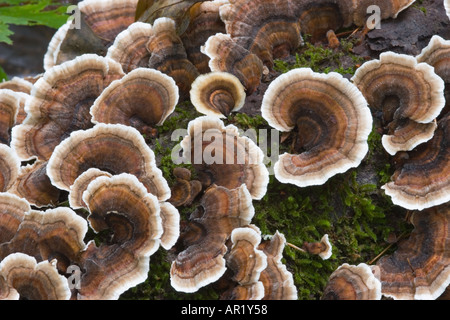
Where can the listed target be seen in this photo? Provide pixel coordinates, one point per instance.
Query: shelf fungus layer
(403, 92)
(350, 282)
(221, 156)
(201, 247)
(114, 148)
(169, 56)
(9, 108)
(93, 30)
(269, 29)
(31, 280)
(245, 263)
(130, 47)
(330, 122)
(46, 235)
(437, 54)
(420, 266)
(9, 167)
(278, 282)
(217, 94)
(204, 22)
(12, 212)
(422, 180)
(122, 204)
(34, 185)
(227, 56)
(60, 102)
(143, 99)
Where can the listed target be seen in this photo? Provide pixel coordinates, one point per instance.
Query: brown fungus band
(423, 179)
(100, 23)
(437, 55)
(130, 47)
(420, 267)
(142, 99)
(9, 167)
(271, 31)
(227, 56)
(221, 156)
(201, 246)
(169, 56)
(350, 282)
(409, 95)
(31, 280)
(330, 121)
(60, 104)
(114, 148)
(217, 94)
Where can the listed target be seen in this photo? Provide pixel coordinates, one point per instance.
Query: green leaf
(5, 33)
(30, 13)
(3, 75)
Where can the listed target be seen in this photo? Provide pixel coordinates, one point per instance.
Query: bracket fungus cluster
(221, 156)
(80, 186)
(420, 267)
(330, 120)
(409, 95)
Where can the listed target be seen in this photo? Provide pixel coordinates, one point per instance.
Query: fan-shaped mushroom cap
(323, 248)
(17, 84)
(9, 167)
(277, 280)
(113, 148)
(122, 203)
(34, 185)
(108, 18)
(402, 90)
(244, 258)
(201, 260)
(110, 270)
(143, 99)
(269, 29)
(32, 280)
(102, 21)
(217, 94)
(423, 180)
(388, 9)
(332, 120)
(9, 107)
(52, 234)
(349, 282)
(230, 160)
(185, 190)
(318, 17)
(407, 135)
(80, 185)
(12, 212)
(420, 267)
(169, 56)
(204, 22)
(60, 103)
(130, 46)
(437, 54)
(228, 56)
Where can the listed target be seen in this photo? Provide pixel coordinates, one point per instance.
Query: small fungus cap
(217, 94)
(350, 282)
